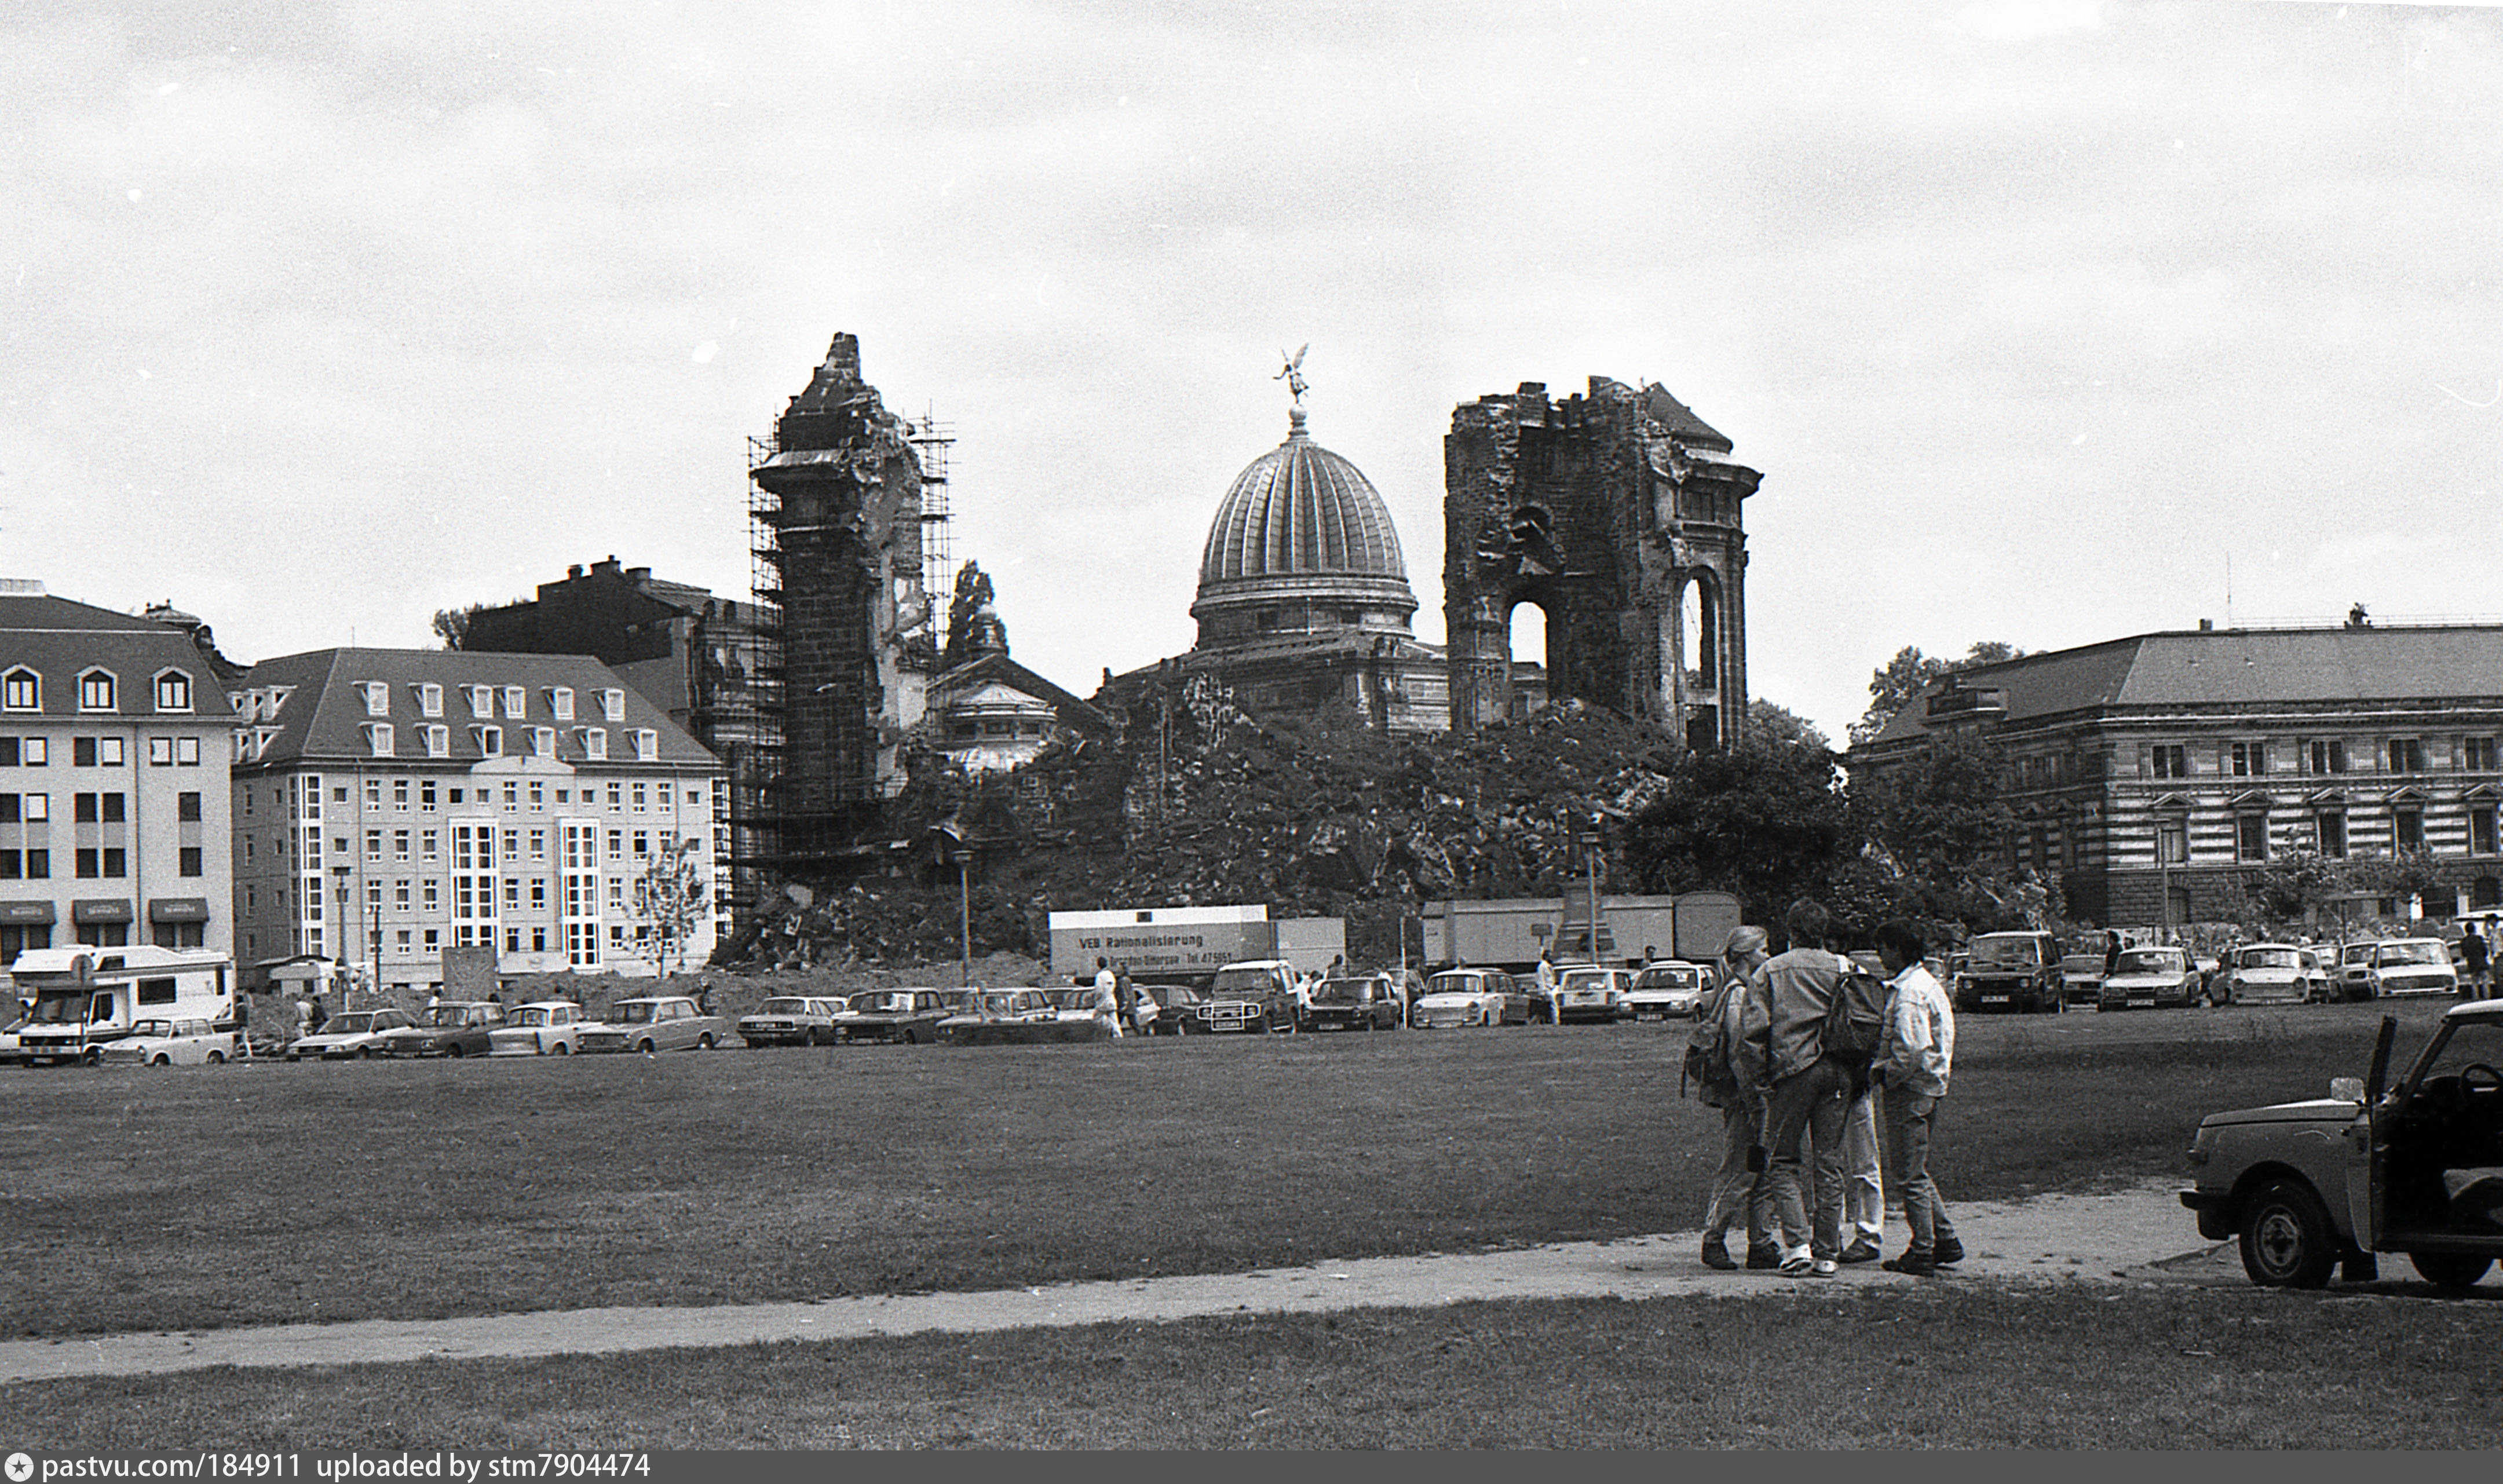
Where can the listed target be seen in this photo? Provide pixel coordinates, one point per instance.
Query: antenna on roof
(2229, 587)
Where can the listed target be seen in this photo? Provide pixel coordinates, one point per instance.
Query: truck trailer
(1511, 933)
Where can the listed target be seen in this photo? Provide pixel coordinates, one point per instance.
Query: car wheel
(2451, 1269)
(704, 1043)
(561, 1048)
(453, 1050)
(364, 1053)
(162, 1061)
(2286, 1240)
(217, 1059)
(644, 1046)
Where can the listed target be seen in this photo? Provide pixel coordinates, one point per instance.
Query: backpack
(1854, 1024)
(1707, 1050)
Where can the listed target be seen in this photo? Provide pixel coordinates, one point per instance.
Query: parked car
(791, 1020)
(2309, 1187)
(1072, 1003)
(1588, 993)
(10, 1049)
(2413, 966)
(1013, 1015)
(659, 1022)
(2010, 971)
(447, 1028)
(2352, 977)
(540, 1028)
(2274, 974)
(909, 1017)
(2149, 979)
(1177, 1009)
(1367, 1002)
(1470, 997)
(1256, 994)
(356, 1033)
(158, 1042)
(2081, 979)
(1668, 989)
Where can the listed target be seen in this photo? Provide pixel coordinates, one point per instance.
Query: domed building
(1303, 603)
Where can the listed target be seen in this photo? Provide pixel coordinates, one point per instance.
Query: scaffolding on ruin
(932, 442)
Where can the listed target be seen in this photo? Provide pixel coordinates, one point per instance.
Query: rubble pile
(1203, 804)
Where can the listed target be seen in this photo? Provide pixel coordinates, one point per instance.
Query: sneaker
(1862, 1251)
(1911, 1263)
(1765, 1258)
(1716, 1256)
(1949, 1251)
(1798, 1266)
(1824, 1267)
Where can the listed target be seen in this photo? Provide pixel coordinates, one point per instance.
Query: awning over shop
(101, 912)
(178, 910)
(19, 914)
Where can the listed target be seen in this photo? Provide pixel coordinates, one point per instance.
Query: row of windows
(478, 843)
(14, 940)
(303, 796)
(472, 896)
(100, 864)
(2316, 755)
(382, 740)
(99, 752)
(87, 808)
(482, 701)
(582, 944)
(21, 689)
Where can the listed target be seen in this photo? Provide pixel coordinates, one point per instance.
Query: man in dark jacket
(1811, 1096)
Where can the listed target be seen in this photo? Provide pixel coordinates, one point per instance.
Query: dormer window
(561, 702)
(173, 690)
(647, 746)
(595, 743)
(22, 690)
(240, 703)
(377, 694)
(490, 740)
(517, 702)
(542, 741)
(482, 701)
(95, 690)
(278, 695)
(430, 701)
(438, 739)
(378, 738)
(612, 705)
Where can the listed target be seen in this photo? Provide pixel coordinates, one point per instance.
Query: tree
(973, 595)
(1761, 819)
(673, 895)
(2403, 876)
(2296, 883)
(1776, 723)
(1902, 679)
(452, 624)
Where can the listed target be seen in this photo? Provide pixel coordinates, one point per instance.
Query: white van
(87, 998)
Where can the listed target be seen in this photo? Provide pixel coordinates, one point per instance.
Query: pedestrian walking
(1911, 1075)
(1741, 1190)
(1108, 999)
(1810, 1096)
(2473, 958)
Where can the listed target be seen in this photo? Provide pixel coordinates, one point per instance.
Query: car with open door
(2413, 1166)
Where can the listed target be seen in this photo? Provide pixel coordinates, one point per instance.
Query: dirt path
(2117, 1237)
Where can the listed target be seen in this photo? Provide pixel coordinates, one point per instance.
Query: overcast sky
(2038, 319)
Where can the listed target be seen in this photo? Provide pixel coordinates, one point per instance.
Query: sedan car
(350, 1033)
(1669, 990)
(2413, 966)
(1018, 1016)
(1470, 997)
(2081, 979)
(540, 1028)
(2379, 1165)
(448, 1029)
(2149, 979)
(792, 1020)
(907, 1016)
(169, 1044)
(1587, 995)
(1366, 1003)
(2352, 977)
(1177, 1010)
(2272, 974)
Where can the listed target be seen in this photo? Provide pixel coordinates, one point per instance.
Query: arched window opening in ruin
(1699, 633)
(1528, 624)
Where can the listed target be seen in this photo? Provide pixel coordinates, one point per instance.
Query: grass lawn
(202, 1197)
(1945, 1364)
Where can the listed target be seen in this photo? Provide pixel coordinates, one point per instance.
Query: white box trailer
(1510, 933)
(88, 997)
(1167, 943)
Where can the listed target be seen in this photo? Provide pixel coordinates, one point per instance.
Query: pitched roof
(2240, 666)
(60, 641)
(323, 715)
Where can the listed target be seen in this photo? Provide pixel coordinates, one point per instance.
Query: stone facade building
(2149, 775)
(1620, 515)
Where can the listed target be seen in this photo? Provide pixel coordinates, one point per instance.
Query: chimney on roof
(638, 575)
(2207, 626)
(574, 572)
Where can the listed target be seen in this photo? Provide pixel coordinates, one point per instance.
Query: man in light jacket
(1910, 1073)
(1743, 1188)
(1812, 1096)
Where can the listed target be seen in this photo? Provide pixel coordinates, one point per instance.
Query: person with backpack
(1788, 1028)
(1910, 1072)
(1740, 1186)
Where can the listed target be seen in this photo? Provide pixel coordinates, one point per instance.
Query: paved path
(2121, 1237)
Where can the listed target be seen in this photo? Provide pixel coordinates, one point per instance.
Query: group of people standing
(1120, 1003)
(1784, 1087)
